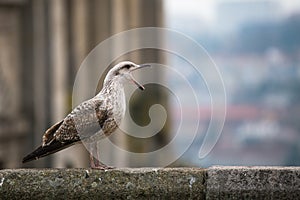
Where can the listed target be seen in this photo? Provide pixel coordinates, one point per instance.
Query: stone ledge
(152, 183)
(253, 183)
(141, 183)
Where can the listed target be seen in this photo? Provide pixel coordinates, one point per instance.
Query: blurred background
(254, 43)
(256, 46)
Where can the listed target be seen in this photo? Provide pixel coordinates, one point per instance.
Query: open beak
(140, 86)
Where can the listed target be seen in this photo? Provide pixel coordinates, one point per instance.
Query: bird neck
(111, 88)
(113, 92)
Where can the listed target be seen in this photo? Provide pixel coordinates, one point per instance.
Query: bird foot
(96, 164)
(102, 167)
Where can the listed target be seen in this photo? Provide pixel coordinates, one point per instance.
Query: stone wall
(152, 183)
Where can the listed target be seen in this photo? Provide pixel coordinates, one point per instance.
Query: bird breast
(119, 105)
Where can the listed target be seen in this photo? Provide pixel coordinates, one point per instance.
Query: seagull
(93, 119)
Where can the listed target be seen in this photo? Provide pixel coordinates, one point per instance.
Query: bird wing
(86, 120)
(48, 137)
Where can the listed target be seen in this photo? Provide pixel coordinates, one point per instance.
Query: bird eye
(127, 66)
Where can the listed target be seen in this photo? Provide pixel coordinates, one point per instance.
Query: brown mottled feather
(84, 121)
(48, 137)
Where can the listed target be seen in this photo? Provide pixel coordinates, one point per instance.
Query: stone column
(13, 125)
(40, 90)
(58, 67)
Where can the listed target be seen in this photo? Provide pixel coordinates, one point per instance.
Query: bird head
(123, 72)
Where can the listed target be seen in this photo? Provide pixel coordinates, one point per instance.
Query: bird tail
(42, 151)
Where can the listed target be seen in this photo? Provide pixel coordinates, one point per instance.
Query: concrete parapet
(139, 183)
(152, 183)
(253, 183)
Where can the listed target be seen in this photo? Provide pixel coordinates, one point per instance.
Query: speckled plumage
(99, 116)
(93, 119)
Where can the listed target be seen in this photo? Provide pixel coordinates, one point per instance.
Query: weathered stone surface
(253, 183)
(152, 183)
(142, 183)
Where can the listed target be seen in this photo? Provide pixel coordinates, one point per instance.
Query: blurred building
(232, 14)
(13, 124)
(255, 45)
(42, 44)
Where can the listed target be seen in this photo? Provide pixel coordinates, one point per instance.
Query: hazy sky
(205, 9)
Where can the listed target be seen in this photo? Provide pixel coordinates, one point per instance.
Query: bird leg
(94, 158)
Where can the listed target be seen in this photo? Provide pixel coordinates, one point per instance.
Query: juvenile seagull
(93, 119)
